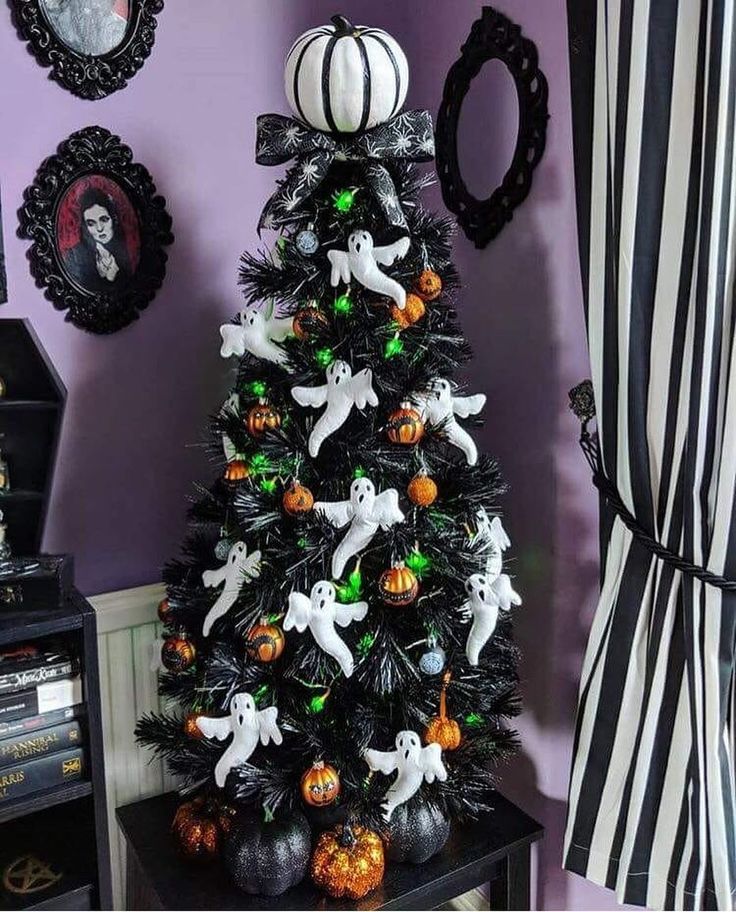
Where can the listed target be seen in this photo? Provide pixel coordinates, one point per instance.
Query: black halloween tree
(338, 632)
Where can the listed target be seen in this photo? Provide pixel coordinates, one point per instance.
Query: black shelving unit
(30, 421)
(64, 826)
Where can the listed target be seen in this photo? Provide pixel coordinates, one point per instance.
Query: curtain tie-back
(582, 403)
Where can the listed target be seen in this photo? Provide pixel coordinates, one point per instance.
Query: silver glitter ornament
(433, 661)
(307, 242)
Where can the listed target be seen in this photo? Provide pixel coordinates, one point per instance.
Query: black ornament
(492, 37)
(433, 661)
(86, 75)
(307, 242)
(268, 858)
(582, 401)
(418, 830)
(94, 161)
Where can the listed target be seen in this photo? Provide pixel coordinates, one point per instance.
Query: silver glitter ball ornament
(307, 242)
(433, 661)
(222, 549)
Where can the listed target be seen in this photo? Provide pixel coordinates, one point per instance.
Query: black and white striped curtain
(652, 796)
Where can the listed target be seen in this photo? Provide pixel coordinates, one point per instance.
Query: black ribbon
(408, 137)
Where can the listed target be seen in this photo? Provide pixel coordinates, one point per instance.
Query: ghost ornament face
(360, 242)
(243, 709)
(408, 746)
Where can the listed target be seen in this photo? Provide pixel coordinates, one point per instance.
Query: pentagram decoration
(99, 230)
(28, 874)
(91, 62)
(492, 37)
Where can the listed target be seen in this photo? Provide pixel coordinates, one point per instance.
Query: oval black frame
(492, 37)
(85, 75)
(94, 150)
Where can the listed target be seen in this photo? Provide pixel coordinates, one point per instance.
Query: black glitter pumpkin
(418, 830)
(268, 857)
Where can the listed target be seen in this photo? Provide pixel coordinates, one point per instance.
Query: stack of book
(40, 732)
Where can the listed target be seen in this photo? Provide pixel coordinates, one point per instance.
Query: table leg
(512, 888)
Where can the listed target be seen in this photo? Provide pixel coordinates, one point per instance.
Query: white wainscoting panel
(127, 628)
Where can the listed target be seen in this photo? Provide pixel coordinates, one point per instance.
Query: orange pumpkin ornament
(429, 285)
(412, 312)
(261, 418)
(297, 499)
(405, 425)
(442, 729)
(178, 653)
(236, 471)
(265, 642)
(320, 784)
(398, 585)
(308, 320)
(422, 489)
(199, 827)
(348, 861)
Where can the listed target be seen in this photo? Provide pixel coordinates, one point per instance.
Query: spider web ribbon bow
(408, 137)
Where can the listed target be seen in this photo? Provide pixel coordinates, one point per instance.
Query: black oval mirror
(486, 173)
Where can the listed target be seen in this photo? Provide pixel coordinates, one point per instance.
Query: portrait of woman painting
(98, 235)
(90, 27)
(98, 231)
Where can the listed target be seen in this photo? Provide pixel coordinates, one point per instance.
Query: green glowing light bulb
(343, 304)
(259, 463)
(418, 563)
(268, 485)
(344, 200)
(258, 388)
(317, 704)
(324, 357)
(394, 347)
(474, 720)
(359, 472)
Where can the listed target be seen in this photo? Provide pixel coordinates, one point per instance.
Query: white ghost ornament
(485, 599)
(341, 392)
(366, 511)
(361, 261)
(439, 407)
(239, 567)
(414, 764)
(320, 612)
(257, 333)
(493, 539)
(247, 726)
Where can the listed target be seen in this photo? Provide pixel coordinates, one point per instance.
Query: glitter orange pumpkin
(348, 861)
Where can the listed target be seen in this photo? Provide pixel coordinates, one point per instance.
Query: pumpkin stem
(347, 837)
(443, 695)
(343, 26)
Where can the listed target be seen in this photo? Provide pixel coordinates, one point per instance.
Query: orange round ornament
(178, 653)
(320, 784)
(164, 611)
(422, 490)
(261, 418)
(398, 585)
(265, 642)
(308, 320)
(405, 425)
(429, 285)
(297, 499)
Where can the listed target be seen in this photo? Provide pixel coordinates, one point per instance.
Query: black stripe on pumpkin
(397, 72)
(366, 84)
(326, 103)
(297, 68)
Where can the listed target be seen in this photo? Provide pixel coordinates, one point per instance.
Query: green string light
(268, 485)
(343, 304)
(418, 563)
(324, 357)
(365, 644)
(302, 542)
(352, 590)
(393, 347)
(317, 704)
(260, 693)
(474, 720)
(359, 472)
(272, 618)
(344, 200)
(260, 463)
(257, 388)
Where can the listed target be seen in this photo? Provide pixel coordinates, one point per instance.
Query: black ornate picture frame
(492, 37)
(99, 231)
(88, 75)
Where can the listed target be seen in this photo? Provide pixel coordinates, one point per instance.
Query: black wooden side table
(495, 848)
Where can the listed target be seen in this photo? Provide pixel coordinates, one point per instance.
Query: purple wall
(138, 400)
